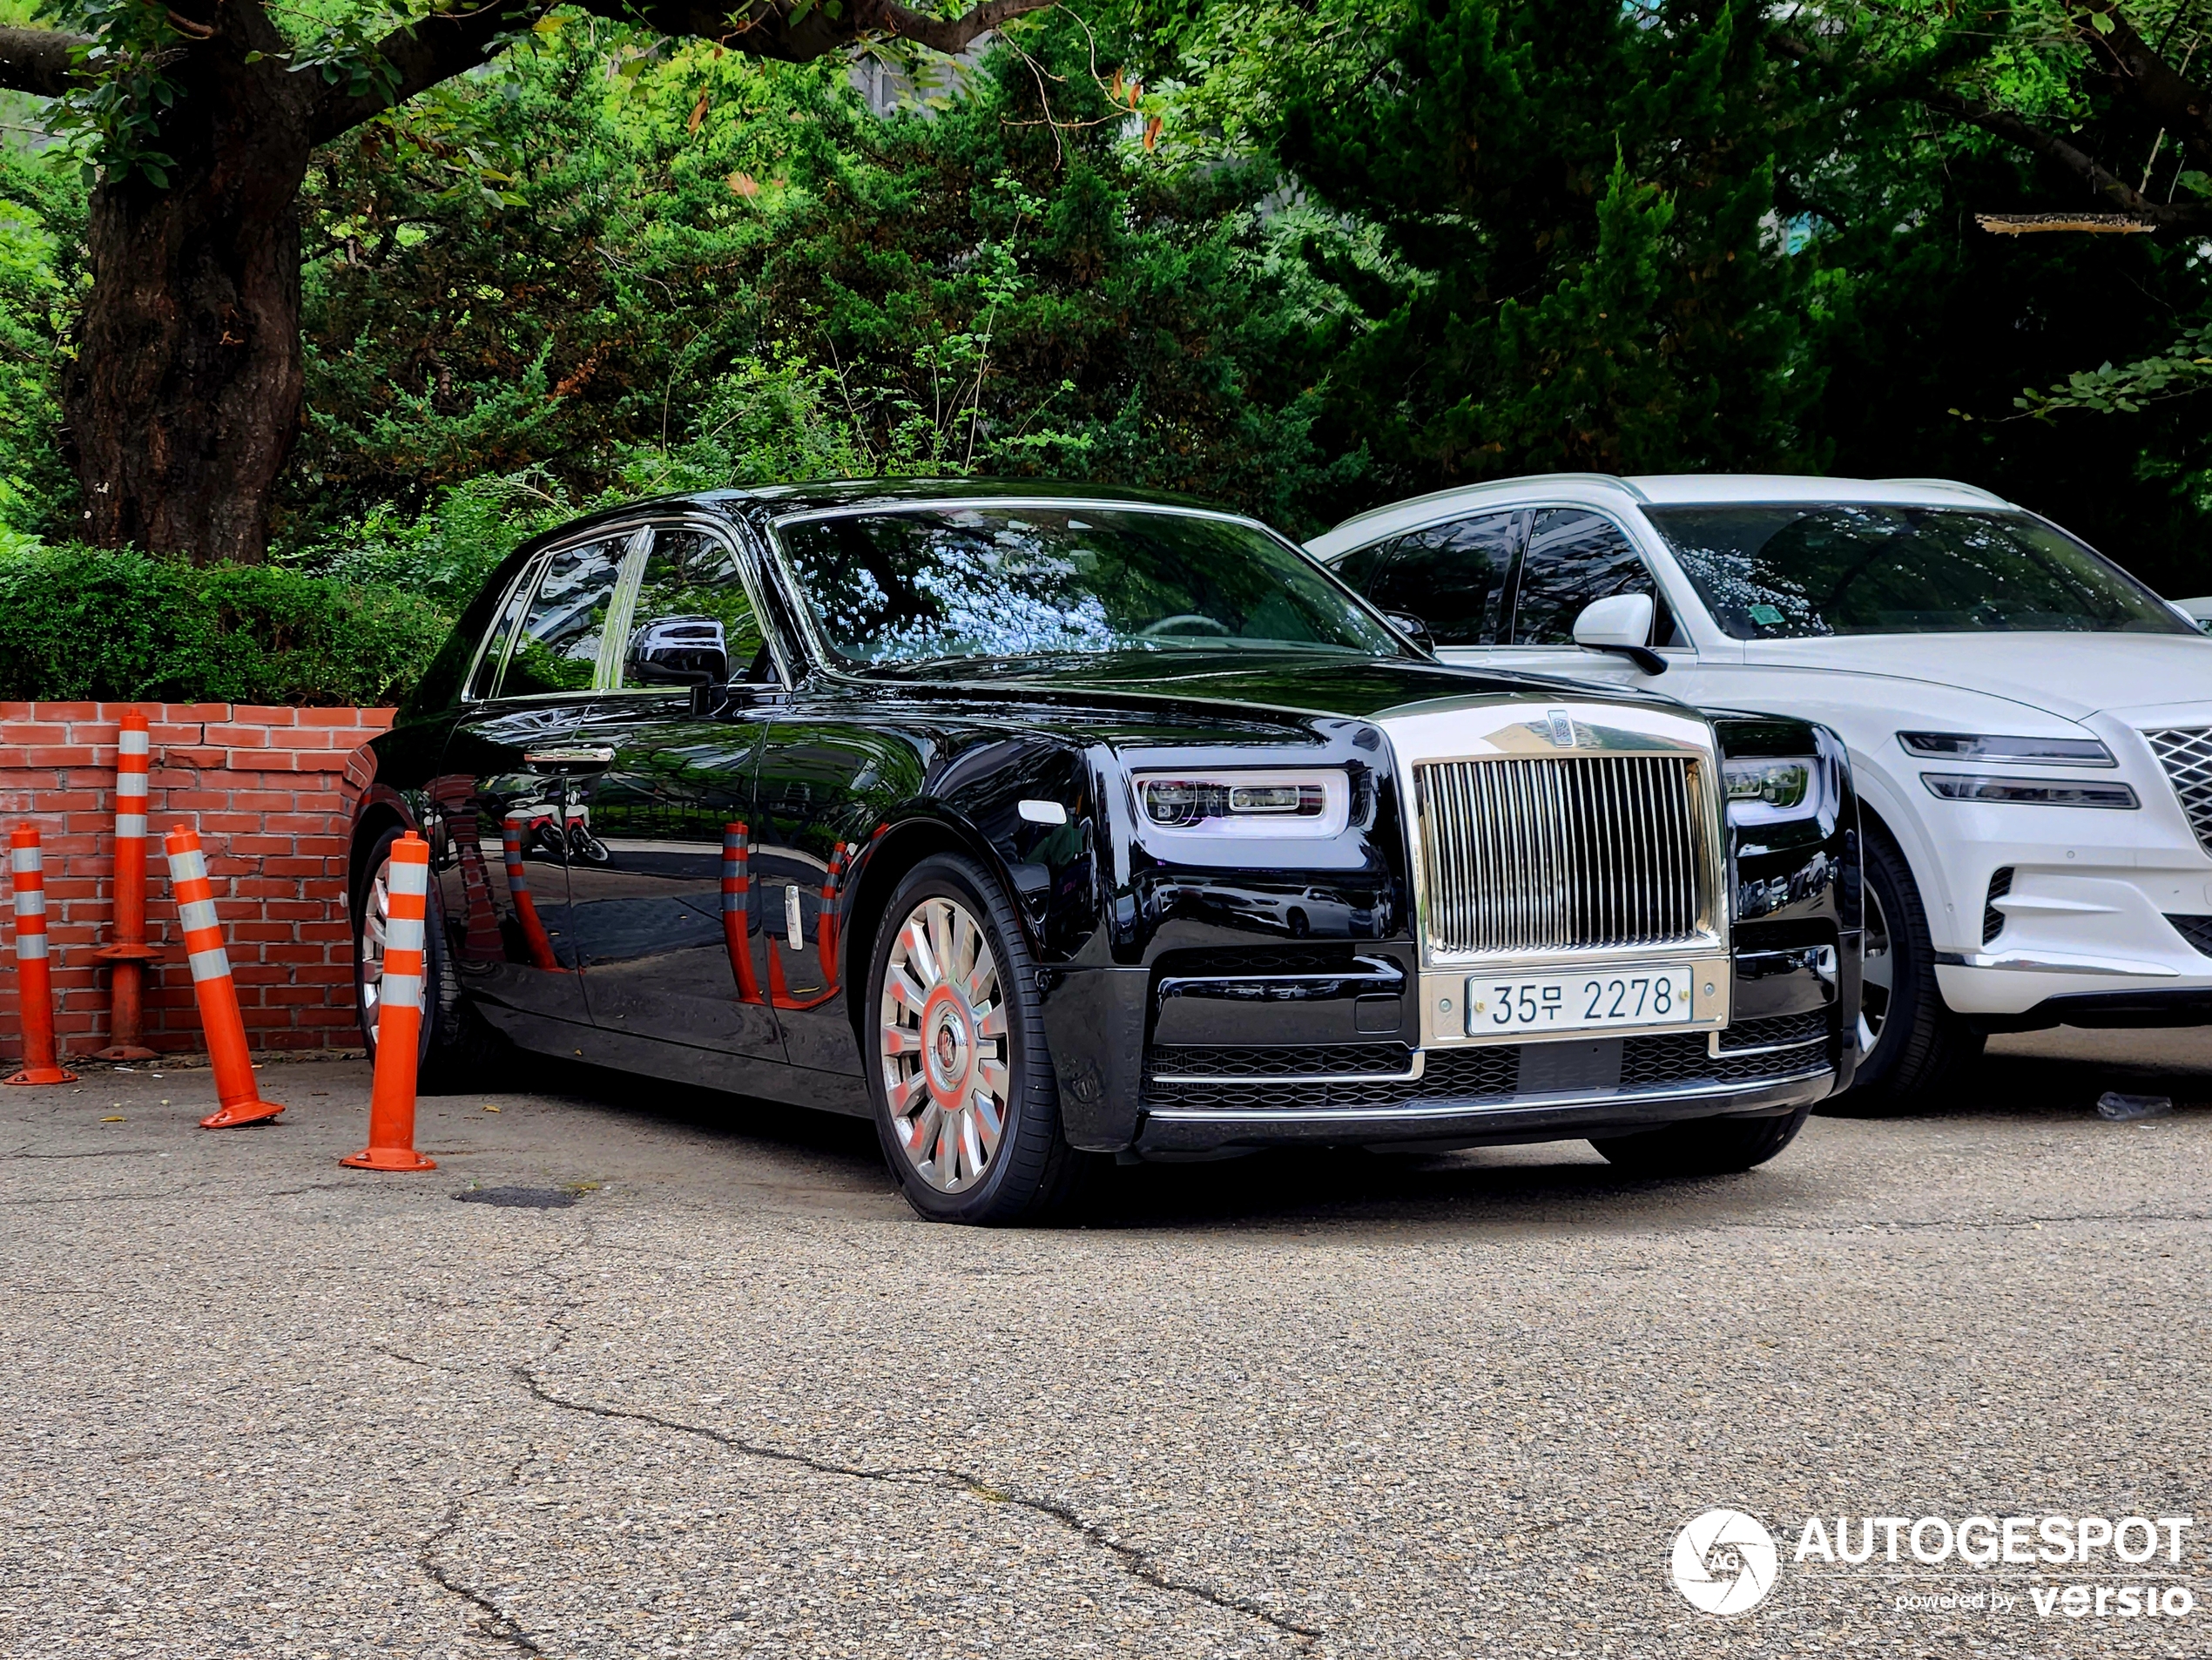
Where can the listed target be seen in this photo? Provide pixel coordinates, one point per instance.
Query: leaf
(2099, 22)
(743, 185)
(699, 112)
(1152, 133)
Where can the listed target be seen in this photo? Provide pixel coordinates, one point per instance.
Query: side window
(486, 679)
(1451, 576)
(693, 622)
(1358, 568)
(1576, 557)
(557, 647)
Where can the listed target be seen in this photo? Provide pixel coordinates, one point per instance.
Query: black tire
(1704, 1146)
(1032, 1172)
(457, 1051)
(1920, 1047)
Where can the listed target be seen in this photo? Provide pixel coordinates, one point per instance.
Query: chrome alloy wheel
(376, 912)
(1876, 974)
(943, 1043)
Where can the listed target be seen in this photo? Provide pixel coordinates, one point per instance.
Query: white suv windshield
(1795, 570)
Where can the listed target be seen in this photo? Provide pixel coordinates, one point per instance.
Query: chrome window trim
(535, 567)
(1483, 1107)
(749, 573)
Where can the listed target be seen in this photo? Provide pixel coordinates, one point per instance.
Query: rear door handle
(567, 761)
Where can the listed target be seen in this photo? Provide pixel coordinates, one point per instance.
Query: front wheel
(1911, 1045)
(1704, 1146)
(966, 1104)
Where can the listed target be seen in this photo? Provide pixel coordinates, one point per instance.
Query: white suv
(2030, 728)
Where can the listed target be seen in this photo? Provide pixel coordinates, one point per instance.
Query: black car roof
(894, 492)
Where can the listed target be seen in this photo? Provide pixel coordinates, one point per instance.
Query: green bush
(83, 623)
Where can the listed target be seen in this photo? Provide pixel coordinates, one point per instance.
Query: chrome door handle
(569, 760)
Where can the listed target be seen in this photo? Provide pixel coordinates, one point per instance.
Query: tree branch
(421, 55)
(2151, 83)
(39, 61)
(2100, 179)
(793, 31)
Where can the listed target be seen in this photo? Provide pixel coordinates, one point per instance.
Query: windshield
(1797, 571)
(993, 582)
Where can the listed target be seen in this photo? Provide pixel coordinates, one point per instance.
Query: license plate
(1578, 1002)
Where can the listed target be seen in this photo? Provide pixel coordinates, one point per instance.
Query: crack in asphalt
(493, 1621)
(97, 1153)
(1135, 1562)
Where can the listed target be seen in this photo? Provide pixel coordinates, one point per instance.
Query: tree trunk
(185, 398)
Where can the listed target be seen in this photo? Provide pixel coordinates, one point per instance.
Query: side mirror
(1621, 625)
(1412, 628)
(680, 651)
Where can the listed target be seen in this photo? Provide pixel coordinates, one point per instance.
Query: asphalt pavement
(644, 1372)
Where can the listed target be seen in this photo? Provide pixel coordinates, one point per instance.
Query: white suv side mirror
(1621, 623)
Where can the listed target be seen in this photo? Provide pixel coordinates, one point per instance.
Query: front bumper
(1193, 1057)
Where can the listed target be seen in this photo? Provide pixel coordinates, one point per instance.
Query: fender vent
(1992, 920)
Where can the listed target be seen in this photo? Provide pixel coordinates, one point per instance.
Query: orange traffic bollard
(128, 949)
(399, 1015)
(34, 981)
(737, 911)
(240, 1099)
(518, 884)
(826, 918)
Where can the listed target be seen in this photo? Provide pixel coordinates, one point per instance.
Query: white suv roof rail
(1950, 485)
(1461, 492)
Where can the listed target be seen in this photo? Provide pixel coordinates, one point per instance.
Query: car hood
(1297, 683)
(2068, 675)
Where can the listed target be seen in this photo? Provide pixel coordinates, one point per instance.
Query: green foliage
(80, 622)
(41, 238)
(2183, 367)
(1576, 200)
(698, 267)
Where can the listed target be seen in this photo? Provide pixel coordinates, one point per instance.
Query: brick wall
(267, 791)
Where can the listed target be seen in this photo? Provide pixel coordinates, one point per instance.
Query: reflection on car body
(1043, 824)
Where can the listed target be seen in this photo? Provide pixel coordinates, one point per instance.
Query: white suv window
(1573, 558)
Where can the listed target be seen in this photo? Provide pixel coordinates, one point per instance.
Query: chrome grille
(2186, 753)
(1588, 851)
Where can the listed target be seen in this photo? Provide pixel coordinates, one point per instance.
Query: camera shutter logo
(1724, 1562)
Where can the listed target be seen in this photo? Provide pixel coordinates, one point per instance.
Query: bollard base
(43, 1074)
(391, 1158)
(241, 1112)
(124, 1052)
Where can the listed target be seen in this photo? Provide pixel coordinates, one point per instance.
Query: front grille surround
(2185, 754)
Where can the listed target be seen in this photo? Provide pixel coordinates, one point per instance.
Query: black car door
(503, 811)
(665, 903)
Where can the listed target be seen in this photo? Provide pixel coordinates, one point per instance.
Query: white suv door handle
(571, 760)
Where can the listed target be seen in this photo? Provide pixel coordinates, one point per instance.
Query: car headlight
(2044, 751)
(2028, 791)
(1756, 781)
(1314, 804)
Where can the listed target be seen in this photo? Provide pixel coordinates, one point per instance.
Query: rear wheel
(1911, 1045)
(456, 1048)
(966, 1104)
(1704, 1146)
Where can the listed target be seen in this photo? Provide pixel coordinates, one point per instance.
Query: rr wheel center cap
(948, 1047)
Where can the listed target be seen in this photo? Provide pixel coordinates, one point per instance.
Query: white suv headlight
(2028, 791)
(1974, 746)
(1315, 803)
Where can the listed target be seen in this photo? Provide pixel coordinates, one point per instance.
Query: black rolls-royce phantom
(1041, 824)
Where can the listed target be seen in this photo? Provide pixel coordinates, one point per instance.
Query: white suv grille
(2186, 753)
